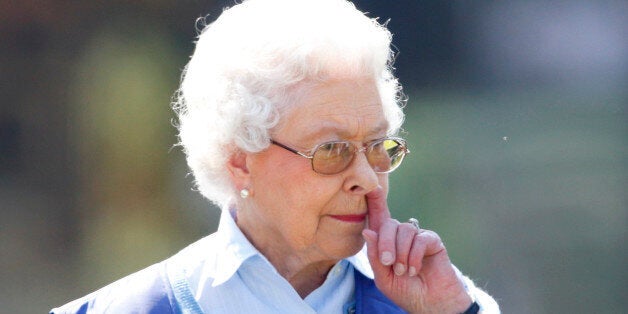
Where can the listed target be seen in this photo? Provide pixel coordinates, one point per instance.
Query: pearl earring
(244, 193)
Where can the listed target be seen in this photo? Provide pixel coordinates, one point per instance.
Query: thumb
(378, 211)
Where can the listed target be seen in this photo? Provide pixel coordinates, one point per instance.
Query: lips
(350, 218)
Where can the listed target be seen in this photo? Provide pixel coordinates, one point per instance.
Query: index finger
(377, 208)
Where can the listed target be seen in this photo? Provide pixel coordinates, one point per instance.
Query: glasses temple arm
(290, 149)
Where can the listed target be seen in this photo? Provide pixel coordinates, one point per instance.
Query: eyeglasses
(384, 155)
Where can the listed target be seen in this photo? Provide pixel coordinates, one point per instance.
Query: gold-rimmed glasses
(384, 154)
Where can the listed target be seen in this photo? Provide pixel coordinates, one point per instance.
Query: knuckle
(431, 235)
(406, 231)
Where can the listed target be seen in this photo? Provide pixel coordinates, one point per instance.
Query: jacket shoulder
(146, 291)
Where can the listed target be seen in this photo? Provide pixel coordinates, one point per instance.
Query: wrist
(462, 302)
(471, 306)
(474, 308)
(466, 302)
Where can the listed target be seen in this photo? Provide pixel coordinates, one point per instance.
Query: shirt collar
(236, 248)
(361, 262)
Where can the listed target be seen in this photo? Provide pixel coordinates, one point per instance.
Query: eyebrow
(335, 128)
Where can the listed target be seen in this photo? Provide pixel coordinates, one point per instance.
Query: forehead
(347, 109)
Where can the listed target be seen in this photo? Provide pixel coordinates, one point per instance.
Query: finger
(405, 236)
(371, 238)
(426, 244)
(432, 241)
(387, 242)
(415, 258)
(377, 208)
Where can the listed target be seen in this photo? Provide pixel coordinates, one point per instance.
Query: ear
(238, 169)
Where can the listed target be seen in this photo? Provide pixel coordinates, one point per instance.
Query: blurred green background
(517, 121)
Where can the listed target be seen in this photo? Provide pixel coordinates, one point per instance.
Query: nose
(361, 149)
(360, 177)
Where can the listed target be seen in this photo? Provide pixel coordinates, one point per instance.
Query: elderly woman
(288, 114)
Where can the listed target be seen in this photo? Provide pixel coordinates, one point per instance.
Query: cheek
(304, 189)
(306, 206)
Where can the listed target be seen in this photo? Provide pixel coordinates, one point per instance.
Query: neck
(305, 270)
(309, 278)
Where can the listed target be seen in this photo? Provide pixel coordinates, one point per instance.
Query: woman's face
(294, 210)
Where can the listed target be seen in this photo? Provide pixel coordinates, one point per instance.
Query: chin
(349, 247)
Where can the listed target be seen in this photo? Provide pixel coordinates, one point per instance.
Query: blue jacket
(158, 289)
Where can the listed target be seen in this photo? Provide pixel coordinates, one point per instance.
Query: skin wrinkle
(352, 120)
(333, 130)
(296, 96)
(287, 217)
(334, 133)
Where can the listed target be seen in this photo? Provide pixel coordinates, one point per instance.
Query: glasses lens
(386, 155)
(332, 157)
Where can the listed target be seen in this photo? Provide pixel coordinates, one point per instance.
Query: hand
(411, 266)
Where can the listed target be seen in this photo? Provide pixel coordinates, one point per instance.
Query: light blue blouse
(232, 266)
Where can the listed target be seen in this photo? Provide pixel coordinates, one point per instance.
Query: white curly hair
(245, 68)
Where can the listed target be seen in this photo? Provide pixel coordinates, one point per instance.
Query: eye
(326, 149)
(391, 146)
(378, 147)
(332, 150)
(333, 157)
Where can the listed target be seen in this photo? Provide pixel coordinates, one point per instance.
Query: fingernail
(412, 271)
(399, 269)
(387, 258)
